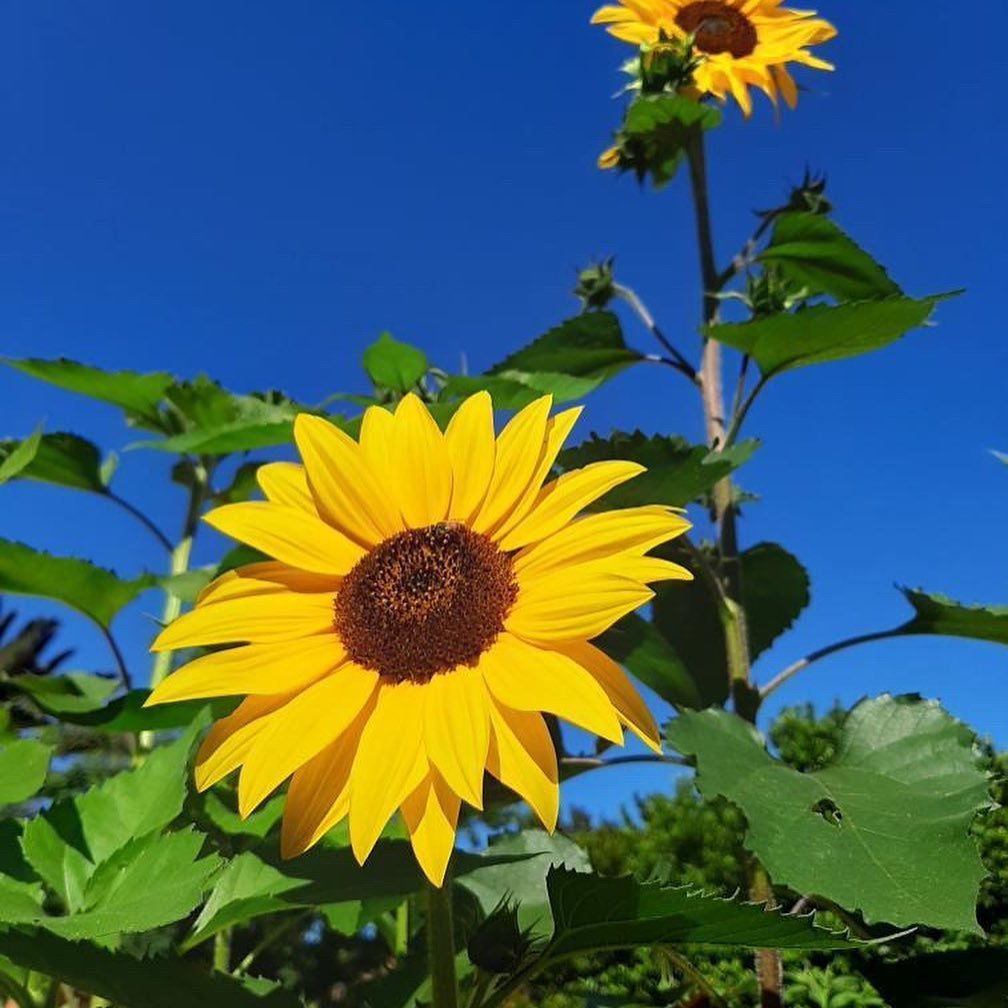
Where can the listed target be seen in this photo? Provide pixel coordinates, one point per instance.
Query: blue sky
(255, 190)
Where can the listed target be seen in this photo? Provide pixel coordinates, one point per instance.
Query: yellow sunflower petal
(558, 502)
(390, 763)
(472, 450)
(599, 536)
(260, 619)
(430, 813)
(343, 483)
(319, 793)
(520, 447)
(302, 729)
(253, 669)
(229, 740)
(377, 443)
(421, 463)
(557, 430)
(285, 483)
(268, 577)
(572, 605)
(522, 758)
(457, 730)
(527, 678)
(288, 534)
(632, 710)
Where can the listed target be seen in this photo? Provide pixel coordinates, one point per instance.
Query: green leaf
(655, 132)
(150, 882)
(677, 472)
(62, 459)
(73, 693)
(936, 614)
(91, 590)
(218, 422)
(137, 395)
(824, 332)
(67, 842)
(15, 456)
(964, 978)
(331, 874)
(394, 365)
(123, 979)
(127, 713)
(228, 821)
(23, 768)
(589, 347)
(687, 615)
(525, 880)
(882, 830)
(776, 590)
(813, 252)
(19, 901)
(594, 913)
(245, 889)
(640, 647)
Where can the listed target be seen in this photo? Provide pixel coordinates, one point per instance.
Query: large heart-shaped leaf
(882, 830)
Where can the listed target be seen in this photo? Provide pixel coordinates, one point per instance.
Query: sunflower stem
(745, 699)
(441, 946)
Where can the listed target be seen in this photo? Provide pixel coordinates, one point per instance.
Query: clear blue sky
(255, 189)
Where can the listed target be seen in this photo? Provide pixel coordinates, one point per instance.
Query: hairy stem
(714, 419)
(441, 946)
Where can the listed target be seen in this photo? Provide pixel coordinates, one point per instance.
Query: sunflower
(741, 42)
(429, 598)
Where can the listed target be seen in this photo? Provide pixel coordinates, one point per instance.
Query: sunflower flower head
(430, 596)
(738, 43)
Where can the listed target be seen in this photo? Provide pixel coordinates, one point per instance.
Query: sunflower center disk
(424, 602)
(718, 28)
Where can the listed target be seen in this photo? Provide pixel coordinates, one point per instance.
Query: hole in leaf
(829, 810)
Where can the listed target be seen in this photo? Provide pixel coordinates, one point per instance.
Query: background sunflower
(741, 42)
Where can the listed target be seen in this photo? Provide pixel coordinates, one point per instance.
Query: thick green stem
(736, 636)
(222, 951)
(441, 946)
(402, 928)
(745, 699)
